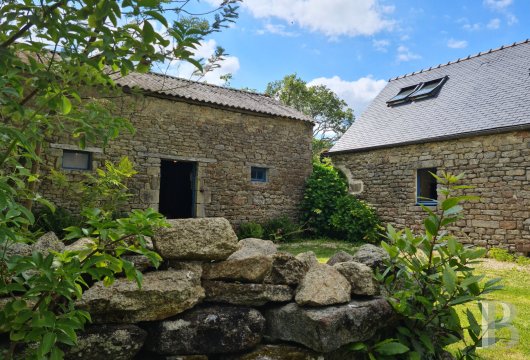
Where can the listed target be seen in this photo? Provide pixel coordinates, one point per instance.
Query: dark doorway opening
(177, 189)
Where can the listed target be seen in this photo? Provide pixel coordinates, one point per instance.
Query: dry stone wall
(498, 166)
(223, 143)
(225, 307)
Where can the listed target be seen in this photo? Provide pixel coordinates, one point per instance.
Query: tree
(58, 63)
(331, 114)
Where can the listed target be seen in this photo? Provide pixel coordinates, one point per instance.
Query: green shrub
(250, 230)
(500, 255)
(328, 209)
(428, 274)
(323, 188)
(355, 220)
(505, 256)
(281, 229)
(56, 221)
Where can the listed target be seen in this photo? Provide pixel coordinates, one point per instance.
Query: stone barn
(470, 115)
(201, 151)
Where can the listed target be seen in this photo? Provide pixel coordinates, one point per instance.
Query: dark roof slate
(211, 94)
(486, 92)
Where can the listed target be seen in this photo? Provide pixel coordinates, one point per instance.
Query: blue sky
(355, 46)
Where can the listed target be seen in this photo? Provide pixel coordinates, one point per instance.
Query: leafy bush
(500, 255)
(250, 230)
(281, 229)
(355, 220)
(56, 221)
(428, 274)
(106, 190)
(329, 210)
(323, 188)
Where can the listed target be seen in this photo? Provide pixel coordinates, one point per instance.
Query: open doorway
(177, 189)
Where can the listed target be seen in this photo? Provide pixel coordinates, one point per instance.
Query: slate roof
(485, 93)
(210, 94)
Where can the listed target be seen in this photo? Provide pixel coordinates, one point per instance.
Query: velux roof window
(416, 92)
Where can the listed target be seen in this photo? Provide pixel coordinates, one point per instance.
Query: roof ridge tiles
(472, 56)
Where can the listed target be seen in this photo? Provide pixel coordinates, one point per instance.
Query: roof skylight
(402, 96)
(427, 89)
(416, 92)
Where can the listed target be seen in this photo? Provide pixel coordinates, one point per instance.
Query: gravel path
(500, 265)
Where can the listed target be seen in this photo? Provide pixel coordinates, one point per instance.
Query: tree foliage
(331, 114)
(59, 60)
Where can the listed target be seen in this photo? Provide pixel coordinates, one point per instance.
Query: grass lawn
(323, 248)
(516, 281)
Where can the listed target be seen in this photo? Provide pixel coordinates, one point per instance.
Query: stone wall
(498, 166)
(217, 298)
(223, 143)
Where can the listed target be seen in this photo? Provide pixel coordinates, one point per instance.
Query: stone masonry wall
(223, 143)
(497, 165)
(214, 298)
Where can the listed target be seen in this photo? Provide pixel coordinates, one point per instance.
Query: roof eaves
(498, 130)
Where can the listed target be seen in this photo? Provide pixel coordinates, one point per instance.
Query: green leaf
(66, 105)
(156, 15)
(430, 226)
(391, 348)
(48, 341)
(426, 340)
(473, 324)
(449, 279)
(148, 32)
(57, 354)
(358, 346)
(148, 3)
(451, 246)
(449, 203)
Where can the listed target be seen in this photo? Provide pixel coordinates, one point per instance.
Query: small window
(77, 160)
(403, 95)
(428, 89)
(427, 193)
(258, 174)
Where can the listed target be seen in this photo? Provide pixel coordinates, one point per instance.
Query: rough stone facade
(498, 166)
(223, 143)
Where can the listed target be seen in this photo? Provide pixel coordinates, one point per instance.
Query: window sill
(429, 204)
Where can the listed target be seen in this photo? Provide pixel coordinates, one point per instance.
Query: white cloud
(381, 45)
(332, 17)
(456, 44)
(512, 19)
(494, 24)
(472, 27)
(497, 4)
(277, 29)
(501, 6)
(357, 94)
(230, 65)
(404, 54)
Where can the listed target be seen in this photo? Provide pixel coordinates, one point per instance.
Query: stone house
(201, 151)
(471, 115)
